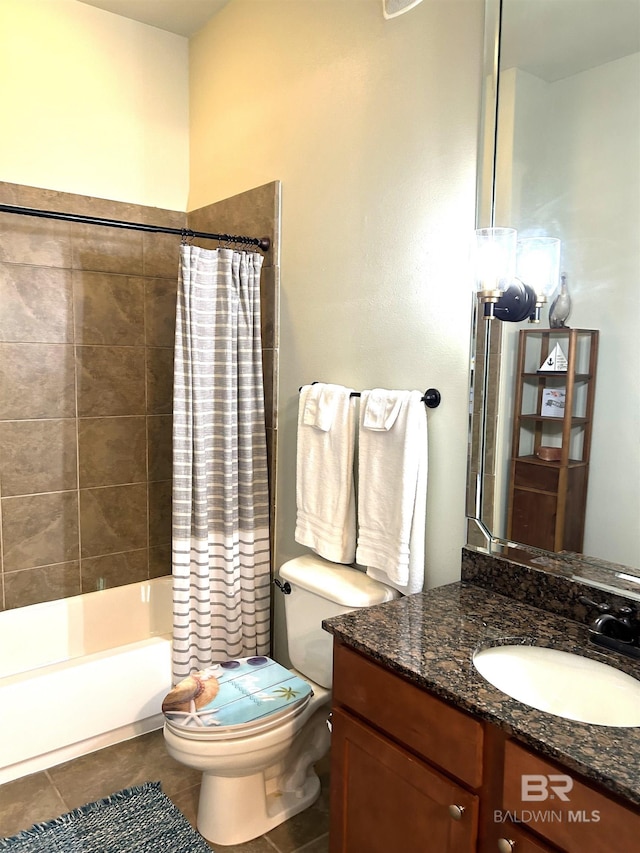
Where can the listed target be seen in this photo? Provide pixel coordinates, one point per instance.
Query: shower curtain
(220, 529)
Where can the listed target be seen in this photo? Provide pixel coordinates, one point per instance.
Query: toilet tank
(319, 590)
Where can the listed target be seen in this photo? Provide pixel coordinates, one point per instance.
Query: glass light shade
(393, 8)
(538, 264)
(494, 259)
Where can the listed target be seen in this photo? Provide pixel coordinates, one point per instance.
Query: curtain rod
(263, 243)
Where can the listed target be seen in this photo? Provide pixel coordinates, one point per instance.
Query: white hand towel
(392, 488)
(321, 404)
(380, 409)
(325, 493)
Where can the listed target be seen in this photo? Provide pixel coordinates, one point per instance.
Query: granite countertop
(429, 638)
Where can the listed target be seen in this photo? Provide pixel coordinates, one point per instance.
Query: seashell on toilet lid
(235, 693)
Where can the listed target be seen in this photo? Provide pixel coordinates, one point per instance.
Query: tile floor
(52, 792)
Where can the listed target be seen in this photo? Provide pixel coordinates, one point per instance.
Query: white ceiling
(182, 17)
(553, 39)
(549, 38)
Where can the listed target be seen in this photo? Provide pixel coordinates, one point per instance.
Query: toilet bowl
(258, 772)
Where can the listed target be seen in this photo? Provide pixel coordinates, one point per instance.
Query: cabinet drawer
(533, 476)
(563, 809)
(430, 727)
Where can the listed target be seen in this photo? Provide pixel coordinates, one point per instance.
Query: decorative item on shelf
(553, 402)
(555, 362)
(549, 454)
(561, 306)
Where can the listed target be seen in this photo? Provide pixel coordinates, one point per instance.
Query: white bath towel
(325, 493)
(392, 487)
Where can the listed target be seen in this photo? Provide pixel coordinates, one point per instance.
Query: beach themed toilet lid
(243, 695)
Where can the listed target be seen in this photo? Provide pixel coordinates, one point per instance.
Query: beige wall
(371, 126)
(93, 103)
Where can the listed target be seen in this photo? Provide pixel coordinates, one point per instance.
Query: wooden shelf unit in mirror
(551, 443)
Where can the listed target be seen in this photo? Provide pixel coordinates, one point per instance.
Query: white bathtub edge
(76, 750)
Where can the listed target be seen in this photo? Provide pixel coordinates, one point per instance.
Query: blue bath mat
(136, 820)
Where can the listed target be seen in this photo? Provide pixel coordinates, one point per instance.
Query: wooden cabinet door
(516, 840)
(383, 799)
(583, 821)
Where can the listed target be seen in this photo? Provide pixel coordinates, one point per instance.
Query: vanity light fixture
(538, 264)
(494, 264)
(393, 8)
(515, 277)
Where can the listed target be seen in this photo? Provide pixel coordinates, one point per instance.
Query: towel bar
(431, 397)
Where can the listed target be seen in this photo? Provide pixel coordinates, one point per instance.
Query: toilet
(257, 753)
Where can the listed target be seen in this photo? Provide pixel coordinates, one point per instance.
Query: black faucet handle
(603, 607)
(627, 614)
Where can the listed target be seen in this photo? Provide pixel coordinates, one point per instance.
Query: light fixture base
(517, 303)
(489, 295)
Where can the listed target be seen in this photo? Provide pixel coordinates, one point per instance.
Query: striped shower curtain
(220, 535)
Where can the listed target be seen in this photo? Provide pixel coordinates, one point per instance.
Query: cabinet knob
(456, 812)
(505, 845)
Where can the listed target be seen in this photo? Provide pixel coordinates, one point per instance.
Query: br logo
(535, 786)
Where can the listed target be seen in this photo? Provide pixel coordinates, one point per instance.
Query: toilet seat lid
(243, 730)
(235, 698)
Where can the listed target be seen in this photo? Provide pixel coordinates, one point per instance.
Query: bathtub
(82, 673)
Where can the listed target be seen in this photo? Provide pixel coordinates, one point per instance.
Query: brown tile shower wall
(86, 354)
(86, 363)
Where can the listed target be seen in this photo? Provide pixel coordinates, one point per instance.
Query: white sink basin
(563, 684)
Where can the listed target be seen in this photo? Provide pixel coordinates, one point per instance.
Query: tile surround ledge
(429, 638)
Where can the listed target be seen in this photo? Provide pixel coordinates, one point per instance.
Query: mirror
(562, 160)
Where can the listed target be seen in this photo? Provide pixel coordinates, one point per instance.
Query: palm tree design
(286, 692)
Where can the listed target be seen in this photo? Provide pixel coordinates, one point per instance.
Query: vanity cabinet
(391, 743)
(412, 773)
(574, 816)
(551, 443)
